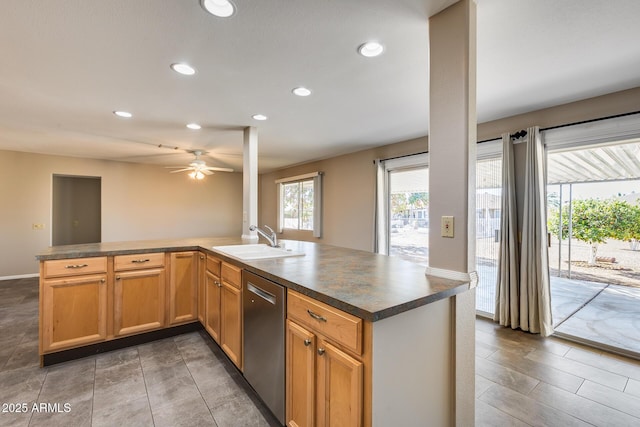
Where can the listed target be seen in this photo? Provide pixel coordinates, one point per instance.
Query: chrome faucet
(272, 239)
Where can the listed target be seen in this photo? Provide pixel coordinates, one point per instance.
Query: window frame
(316, 179)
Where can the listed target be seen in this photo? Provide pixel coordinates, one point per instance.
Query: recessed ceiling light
(182, 68)
(259, 117)
(370, 49)
(301, 91)
(125, 114)
(194, 126)
(219, 8)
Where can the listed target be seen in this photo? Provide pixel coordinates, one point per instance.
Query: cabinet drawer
(341, 327)
(231, 274)
(138, 261)
(75, 266)
(213, 265)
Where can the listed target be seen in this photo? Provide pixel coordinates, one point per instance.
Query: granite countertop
(367, 285)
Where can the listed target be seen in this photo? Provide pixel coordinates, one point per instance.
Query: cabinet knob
(307, 342)
(201, 256)
(102, 280)
(321, 351)
(217, 283)
(117, 277)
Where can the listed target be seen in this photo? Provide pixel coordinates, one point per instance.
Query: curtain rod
(404, 155)
(573, 124)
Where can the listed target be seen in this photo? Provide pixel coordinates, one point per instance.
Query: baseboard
(118, 343)
(19, 276)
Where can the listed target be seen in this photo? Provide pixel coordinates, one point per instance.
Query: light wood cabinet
(212, 293)
(73, 311)
(139, 294)
(183, 287)
(202, 275)
(231, 312)
(325, 365)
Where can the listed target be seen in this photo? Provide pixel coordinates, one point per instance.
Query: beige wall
(139, 202)
(348, 195)
(349, 181)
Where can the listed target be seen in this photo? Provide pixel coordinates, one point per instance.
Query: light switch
(446, 226)
(37, 226)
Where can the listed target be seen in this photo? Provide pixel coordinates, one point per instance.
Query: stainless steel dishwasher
(264, 303)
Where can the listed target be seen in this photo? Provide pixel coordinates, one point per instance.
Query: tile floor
(180, 381)
(521, 380)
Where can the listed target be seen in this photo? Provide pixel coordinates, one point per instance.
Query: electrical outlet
(37, 226)
(446, 226)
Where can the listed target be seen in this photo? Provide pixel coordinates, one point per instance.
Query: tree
(594, 221)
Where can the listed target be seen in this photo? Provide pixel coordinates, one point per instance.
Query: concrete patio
(599, 314)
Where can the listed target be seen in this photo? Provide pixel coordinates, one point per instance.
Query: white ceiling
(67, 64)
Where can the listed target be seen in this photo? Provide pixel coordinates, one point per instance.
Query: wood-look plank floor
(521, 379)
(525, 380)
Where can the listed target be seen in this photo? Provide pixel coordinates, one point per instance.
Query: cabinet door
(301, 376)
(212, 305)
(74, 311)
(231, 322)
(202, 277)
(339, 387)
(183, 287)
(138, 301)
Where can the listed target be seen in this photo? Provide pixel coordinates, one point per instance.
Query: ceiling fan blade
(180, 170)
(213, 168)
(174, 167)
(206, 172)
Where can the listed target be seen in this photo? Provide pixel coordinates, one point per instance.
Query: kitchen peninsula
(395, 325)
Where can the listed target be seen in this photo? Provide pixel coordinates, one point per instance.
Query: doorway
(76, 210)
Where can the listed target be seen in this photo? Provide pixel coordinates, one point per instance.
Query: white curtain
(523, 297)
(508, 282)
(535, 295)
(380, 244)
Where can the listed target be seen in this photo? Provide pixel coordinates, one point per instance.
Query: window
(299, 203)
(402, 216)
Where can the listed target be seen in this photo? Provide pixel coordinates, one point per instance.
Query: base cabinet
(212, 293)
(183, 287)
(138, 301)
(325, 365)
(75, 312)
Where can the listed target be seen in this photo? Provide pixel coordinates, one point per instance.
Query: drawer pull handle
(321, 351)
(217, 283)
(316, 316)
(140, 261)
(76, 266)
(307, 342)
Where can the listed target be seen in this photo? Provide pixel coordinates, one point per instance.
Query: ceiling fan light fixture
(371, 49)
(301, 91)
(196, 175)
(219, 8)
(260, 117)
(194, 126)
(123, 114)
(183, 68)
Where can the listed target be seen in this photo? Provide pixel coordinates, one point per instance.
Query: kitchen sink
(256, 251)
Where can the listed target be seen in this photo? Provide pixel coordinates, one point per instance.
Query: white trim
(471, 277)
(600, 132)
(411, 161)
(298, 177)
(20, 276)
(489, 149)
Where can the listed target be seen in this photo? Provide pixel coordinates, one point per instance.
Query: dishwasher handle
(267, 296)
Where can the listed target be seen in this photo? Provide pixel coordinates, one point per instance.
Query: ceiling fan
(198, 168)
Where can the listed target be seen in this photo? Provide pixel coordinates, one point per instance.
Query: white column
(452, 156)
(250, 182)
